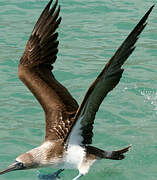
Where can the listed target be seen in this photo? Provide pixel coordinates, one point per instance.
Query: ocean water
(89, 34)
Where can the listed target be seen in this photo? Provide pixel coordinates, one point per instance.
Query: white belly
(74, 157)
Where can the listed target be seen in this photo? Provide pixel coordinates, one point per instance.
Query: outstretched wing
(35, 71)
(81, 131)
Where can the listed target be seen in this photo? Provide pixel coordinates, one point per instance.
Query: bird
(69, 126)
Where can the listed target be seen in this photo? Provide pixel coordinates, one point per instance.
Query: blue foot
(53, 176)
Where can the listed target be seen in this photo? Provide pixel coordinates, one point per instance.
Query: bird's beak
(13, 167)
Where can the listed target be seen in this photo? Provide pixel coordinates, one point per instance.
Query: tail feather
(117, 155)
(101, 154)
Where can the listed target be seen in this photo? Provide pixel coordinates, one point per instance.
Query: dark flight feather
(105, 82)
(35, 71)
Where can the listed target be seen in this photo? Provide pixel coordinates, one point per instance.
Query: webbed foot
(53, 176)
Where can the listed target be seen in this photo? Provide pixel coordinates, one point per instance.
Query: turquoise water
(89, 35)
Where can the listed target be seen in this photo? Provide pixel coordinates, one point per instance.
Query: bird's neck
(45, 154)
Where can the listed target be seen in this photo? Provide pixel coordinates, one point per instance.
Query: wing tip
(147, 13)
(150, 9)
(48, 5)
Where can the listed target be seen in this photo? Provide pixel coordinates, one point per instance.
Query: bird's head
(23, 162)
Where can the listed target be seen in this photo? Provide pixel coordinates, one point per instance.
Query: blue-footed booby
(69, 127)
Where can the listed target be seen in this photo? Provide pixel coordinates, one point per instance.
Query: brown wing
(35, 71)
(105, 82)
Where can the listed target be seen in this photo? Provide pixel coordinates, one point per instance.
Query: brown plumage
(35, 71)
(69, 127)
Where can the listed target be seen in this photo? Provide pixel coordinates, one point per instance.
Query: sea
(89, 34)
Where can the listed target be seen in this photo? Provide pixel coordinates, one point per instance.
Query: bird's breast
(74, 156)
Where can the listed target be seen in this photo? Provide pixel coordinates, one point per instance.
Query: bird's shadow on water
(54, 176)
(100, 174)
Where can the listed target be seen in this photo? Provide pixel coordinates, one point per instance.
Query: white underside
(74, 157)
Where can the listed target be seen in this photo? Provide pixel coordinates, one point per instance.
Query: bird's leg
(78, 177)
(53, 176)
(58, 172)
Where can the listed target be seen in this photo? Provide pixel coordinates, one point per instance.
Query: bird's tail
(114, 155)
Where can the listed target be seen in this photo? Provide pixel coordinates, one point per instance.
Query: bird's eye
(19, 164)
